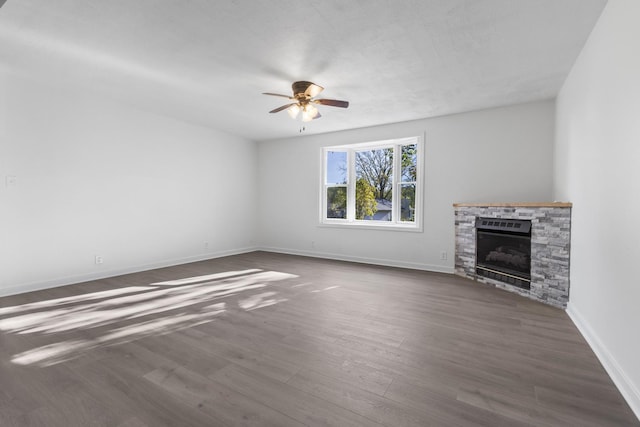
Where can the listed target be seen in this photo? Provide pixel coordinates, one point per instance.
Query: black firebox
(503, 250)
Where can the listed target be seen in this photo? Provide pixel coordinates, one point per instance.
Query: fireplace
(547, 226)
(503, 250)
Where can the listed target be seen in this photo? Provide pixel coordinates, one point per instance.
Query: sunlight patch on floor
(73, 299)
(205, 278)
(259, 301)
(315, 291)
(129, 306)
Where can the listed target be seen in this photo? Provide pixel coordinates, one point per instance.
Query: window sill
(412, 228)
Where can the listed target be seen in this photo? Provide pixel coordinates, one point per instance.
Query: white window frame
(395, 224)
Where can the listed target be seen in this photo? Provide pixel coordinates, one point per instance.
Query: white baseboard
(628, 390)
(70, 280)
(363, 260)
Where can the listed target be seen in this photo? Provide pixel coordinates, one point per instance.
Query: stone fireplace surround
(550, 246)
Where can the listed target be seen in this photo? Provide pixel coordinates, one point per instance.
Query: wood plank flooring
(265, 339)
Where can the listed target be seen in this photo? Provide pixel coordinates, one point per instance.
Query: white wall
(502, 154)
(98, 178)
(597, 167)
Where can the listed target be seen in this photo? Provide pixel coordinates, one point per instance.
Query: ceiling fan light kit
(303, 96)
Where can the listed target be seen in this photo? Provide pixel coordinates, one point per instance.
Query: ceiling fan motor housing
(299, 88)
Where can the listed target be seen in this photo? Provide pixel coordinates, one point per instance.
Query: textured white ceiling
(208, 62)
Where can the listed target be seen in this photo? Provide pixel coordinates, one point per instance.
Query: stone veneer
(550, 246)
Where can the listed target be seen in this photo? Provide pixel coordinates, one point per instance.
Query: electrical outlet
(99, 259)
(443, 255)
(206, 246)
(313, 245)
(11, 180)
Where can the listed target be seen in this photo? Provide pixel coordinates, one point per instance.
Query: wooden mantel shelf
(515, 205)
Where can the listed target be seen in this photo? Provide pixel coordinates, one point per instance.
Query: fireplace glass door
(503, 250)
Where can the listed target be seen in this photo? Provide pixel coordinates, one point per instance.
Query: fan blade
(284, 107)
(313, 90)
(277, 94)
(332, 102)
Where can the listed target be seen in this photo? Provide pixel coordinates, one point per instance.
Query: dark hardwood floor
(265, 339)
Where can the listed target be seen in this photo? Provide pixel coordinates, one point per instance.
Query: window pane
(336, 167)
(409, 163)
(408, 202)
(366, 205)
(374, 184)
(337, 202)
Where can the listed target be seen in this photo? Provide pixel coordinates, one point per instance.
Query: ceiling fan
(303, 97)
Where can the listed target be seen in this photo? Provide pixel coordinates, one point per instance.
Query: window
(374, 184)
